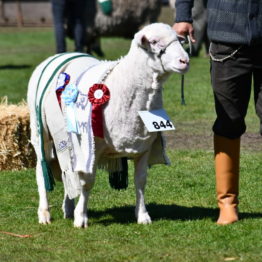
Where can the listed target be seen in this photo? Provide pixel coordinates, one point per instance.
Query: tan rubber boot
(227, 153)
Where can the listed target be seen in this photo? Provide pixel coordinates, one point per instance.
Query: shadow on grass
(14, 67)
(125, 215)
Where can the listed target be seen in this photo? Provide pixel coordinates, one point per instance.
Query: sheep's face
(163, 45)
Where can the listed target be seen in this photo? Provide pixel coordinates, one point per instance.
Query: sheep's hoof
(144, 219)
(81, 221)
(68, 208)
(44, 216)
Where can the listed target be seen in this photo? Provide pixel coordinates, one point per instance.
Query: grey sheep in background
(125, 20)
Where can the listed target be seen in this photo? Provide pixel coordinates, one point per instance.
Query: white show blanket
(48, 113)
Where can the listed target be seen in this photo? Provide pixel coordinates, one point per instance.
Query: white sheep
(135, 84)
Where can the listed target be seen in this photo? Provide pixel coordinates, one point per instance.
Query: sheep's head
(163, 45)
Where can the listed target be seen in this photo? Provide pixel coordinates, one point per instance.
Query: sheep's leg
(68, 207)
(43, 208)
(140, 183)
(80, 213)
(87, 181)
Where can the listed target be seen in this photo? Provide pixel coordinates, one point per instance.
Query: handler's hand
(184, 29)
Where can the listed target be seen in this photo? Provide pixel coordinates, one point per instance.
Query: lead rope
(183, 101)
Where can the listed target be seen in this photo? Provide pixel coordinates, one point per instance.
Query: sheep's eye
(183, 40)
(153, 42)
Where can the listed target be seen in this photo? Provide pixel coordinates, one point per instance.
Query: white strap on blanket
(56, 125)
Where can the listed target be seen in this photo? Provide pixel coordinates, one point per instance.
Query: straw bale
(16, 151)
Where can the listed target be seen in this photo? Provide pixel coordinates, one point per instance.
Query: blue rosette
(69, 97)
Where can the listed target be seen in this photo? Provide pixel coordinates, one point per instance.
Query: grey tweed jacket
(229, 21)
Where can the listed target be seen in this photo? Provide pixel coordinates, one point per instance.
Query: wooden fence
(25, 13)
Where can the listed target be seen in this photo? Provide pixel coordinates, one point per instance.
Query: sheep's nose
(184, 61)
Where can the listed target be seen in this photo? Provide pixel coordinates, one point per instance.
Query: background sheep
(125, 20)
(135, 84)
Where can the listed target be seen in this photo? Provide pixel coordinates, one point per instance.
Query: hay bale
(16, 151)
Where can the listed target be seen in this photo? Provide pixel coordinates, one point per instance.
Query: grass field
(180, 198)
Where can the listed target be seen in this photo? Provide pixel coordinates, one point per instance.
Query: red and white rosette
(98, 95)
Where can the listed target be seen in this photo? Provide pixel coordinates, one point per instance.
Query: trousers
(72, 12)
(234, 70)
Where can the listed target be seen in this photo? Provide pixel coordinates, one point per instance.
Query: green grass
(181, 202)
(22, 50)
(180, 198)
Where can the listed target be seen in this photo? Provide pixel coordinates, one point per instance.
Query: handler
(235, 31)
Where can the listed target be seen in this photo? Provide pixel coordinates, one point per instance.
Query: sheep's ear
(142, 40)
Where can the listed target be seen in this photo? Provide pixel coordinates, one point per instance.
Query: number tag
(156, 120)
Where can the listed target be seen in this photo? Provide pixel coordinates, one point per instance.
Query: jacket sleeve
(184, 11)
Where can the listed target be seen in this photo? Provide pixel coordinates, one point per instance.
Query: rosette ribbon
(62, 82)
(98, 95)
(69, 97)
